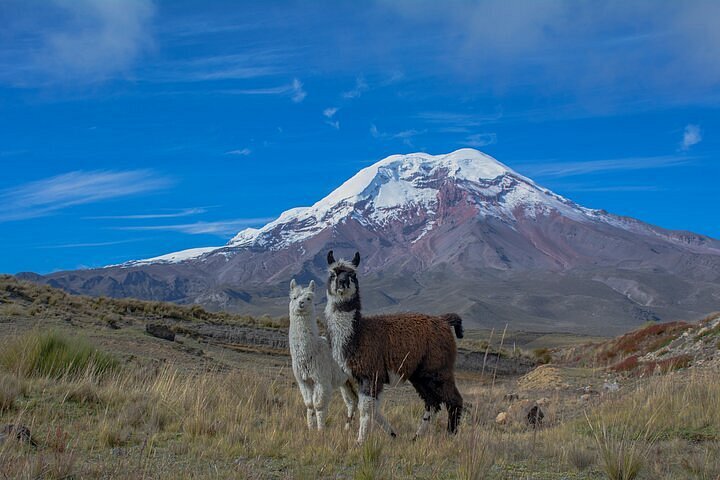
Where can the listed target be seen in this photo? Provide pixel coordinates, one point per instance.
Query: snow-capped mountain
(459, 231)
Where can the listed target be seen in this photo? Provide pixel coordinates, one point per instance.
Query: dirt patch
(544, 377)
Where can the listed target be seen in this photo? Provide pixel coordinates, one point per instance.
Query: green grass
(52, 354)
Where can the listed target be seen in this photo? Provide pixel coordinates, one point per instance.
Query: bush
(543, 355)
(9, 391)
(55, 355)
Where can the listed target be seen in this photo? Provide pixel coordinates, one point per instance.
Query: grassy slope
(167, 412)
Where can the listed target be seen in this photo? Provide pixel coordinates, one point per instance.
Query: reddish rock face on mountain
(458, 232)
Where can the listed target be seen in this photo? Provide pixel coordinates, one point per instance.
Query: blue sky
(134, 128)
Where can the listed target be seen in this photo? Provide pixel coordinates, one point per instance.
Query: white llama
(315, 370)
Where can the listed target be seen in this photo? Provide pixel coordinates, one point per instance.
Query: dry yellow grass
(248, 422)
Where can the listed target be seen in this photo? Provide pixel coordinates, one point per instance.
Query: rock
(611, 387)
(511, 397)
(19, 432)
(160, 330)
(535, 417)
(585, 397)
(501, 418)
(119, 452)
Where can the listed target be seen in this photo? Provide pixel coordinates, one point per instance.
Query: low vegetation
(50, 354)
(154, 422)
(101, 402)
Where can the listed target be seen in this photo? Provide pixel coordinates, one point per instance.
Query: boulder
(535, 416)
(160, 330)
(21, 433)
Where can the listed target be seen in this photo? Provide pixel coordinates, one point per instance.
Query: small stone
(535, 416)
(119, 452)
(501, 418)
(585, 397)
(611, 387)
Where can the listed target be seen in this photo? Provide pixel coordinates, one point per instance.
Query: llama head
(301, 299)
(342, 279)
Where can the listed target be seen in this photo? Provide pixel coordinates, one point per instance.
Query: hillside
(86, 392)
(457, 232)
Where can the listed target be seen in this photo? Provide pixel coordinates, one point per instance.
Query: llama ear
(293, 284)
(330, 258)
(356, 259)
(312, 286)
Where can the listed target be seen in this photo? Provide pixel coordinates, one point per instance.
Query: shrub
(55, 355)
(630, 363)
(9, 391)
(543, 355)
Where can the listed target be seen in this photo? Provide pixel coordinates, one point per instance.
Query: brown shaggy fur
(415, 347)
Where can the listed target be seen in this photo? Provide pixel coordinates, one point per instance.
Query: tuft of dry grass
(622, 457)
(53, 354)
(9, 391)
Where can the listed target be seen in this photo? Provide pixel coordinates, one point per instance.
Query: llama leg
(432, 401)
(454, 403)
(426, 420)
(306, 390)
(365, 405)
(321, 398)
(350, 398)
(380, 418)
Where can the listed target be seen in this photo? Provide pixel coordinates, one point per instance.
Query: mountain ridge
(505, 249)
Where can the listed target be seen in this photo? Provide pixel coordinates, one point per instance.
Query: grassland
(108, 402)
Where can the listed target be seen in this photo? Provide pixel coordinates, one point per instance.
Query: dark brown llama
(380, 349)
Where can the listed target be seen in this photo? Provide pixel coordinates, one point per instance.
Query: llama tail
(454, 320)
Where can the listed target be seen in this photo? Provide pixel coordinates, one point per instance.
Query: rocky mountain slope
(458, 232)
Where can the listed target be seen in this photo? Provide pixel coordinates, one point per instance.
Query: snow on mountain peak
(395, 181)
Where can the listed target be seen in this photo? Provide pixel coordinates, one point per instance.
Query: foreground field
(106, 402)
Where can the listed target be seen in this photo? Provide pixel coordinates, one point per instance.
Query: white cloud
(91, 244)
(405, 135)
(186, 212)
(566, 169)
(221, 227)
(294, 90)
(330, 111)
(691, 136)
(361, 87)
(97, 40)
(298, 93)
(335, 124)
(244, 152)
(44, 197)
(480, 139)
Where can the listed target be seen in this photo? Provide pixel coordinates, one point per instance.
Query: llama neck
(303, 327)
(342, 316)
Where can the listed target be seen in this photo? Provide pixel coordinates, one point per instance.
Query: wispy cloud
(294, 90)
(480, 139)
(334, 123)
(462, 121)
(91, 244)
(405, 135)
(330, 112)
(222, 227)
(96, 40)
(186, 212)
(361, 87)
(612, 188)
(566, 169)
(691, 136)
(244, 152)
(44, 197)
